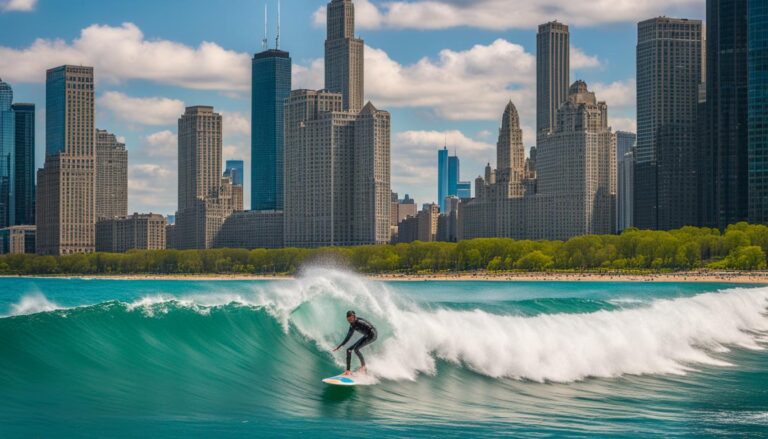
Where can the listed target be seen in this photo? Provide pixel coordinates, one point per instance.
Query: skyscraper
(7, 154)
(271, 85)
(234, 170)
(205, 197)
(625, 164)
(449, 182)
(66, 195)
(552, 73)
(669, 70)
(510, 152)
(758, 111)
(344, 55)
(726, 80)
(442, 177)
(111, 176)
(25, 162)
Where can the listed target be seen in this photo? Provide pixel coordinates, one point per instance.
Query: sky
(444, 69)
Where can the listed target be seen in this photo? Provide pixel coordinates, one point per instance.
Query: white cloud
(145, 111)
(580, 60)
(235, 123)
(122, 53)
(623, 124)
(17, 5)
(312, 77)
(161, 144)
(618, 94)
(152, 187)
(502, 14)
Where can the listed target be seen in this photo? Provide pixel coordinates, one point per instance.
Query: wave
(279, 326)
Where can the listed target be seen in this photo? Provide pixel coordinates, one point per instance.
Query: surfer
(369, 336)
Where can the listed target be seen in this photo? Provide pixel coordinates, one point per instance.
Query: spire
(264, 40)
(277, 38)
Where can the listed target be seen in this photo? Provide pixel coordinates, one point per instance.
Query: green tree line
(740, 247)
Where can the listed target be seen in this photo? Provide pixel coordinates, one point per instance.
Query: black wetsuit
(369, 336)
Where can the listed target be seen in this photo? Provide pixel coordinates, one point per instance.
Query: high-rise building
(552, 73)
(7, 157)
(138, 231)
(726, 83)
(65, 209)
(669, 71)
(337, 185)
(111, 176)
(17, 239)
(758, 111)
(205, 197)
(449, 182)
(625, 143)
(24, 114)
(234, 170)
(344, 55)
(337, 155)
(574, 192)
(271, 85)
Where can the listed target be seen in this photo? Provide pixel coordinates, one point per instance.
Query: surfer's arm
(346, 339)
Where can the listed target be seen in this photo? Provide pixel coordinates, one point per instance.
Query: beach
(704, 276)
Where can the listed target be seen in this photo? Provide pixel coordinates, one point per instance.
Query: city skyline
(419, 128)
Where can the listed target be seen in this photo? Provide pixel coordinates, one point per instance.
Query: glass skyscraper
(7, 153)
(25, 162)
(757, 119)
(449, 179)
(442, 177)
(271, 85)
(234, 170)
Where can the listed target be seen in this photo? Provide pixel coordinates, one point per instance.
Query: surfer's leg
(349, 357)
(365, 341)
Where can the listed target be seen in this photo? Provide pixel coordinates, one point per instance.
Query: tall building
(449, 182)
(271, 85)
(344, 55)
(205, 197)
(669, 71)
(111, 176)
(17, 239)
(625, 162)
(337, 167)
(574, 192)
(726, 79)
(234, 170)
(65, 201)
(552, 73)
(7, 157)
(758, 111)
(24, 115)
(138, 231)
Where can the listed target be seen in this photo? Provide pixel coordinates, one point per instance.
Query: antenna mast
(277, 38)
(264, 40)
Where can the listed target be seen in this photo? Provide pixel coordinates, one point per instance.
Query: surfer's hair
(351, 313)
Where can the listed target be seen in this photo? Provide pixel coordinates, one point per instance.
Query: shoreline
(760, 277)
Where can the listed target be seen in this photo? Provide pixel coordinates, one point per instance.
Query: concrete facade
(137, 231)
(251, 229)
(111, 176)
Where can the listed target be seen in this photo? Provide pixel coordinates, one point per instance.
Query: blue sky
(444, 69)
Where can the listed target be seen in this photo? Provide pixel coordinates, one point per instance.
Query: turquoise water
(111, 358)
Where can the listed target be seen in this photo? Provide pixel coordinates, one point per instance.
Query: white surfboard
(341, 380)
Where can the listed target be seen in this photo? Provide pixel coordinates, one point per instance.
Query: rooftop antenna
(264, 40)
(277, 38)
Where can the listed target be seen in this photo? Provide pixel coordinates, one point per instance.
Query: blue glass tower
(271, 85)
(25, 162)
(234, 170)
(757, 113)
(7, 156)
(442, 177)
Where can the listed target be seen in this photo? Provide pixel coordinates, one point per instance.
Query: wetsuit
(369, 336)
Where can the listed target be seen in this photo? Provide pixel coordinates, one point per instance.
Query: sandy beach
(760, 277)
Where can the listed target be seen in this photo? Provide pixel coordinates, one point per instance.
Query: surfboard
(340, 380)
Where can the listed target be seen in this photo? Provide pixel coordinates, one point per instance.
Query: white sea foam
(670, 336)
(32, 303)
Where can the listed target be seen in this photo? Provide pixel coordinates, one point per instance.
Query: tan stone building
(66, 195)
(111, 176)
(17, 239)
(574, 192)
(205, 198)
(251, 229)
(138, 231)
(337, 153)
